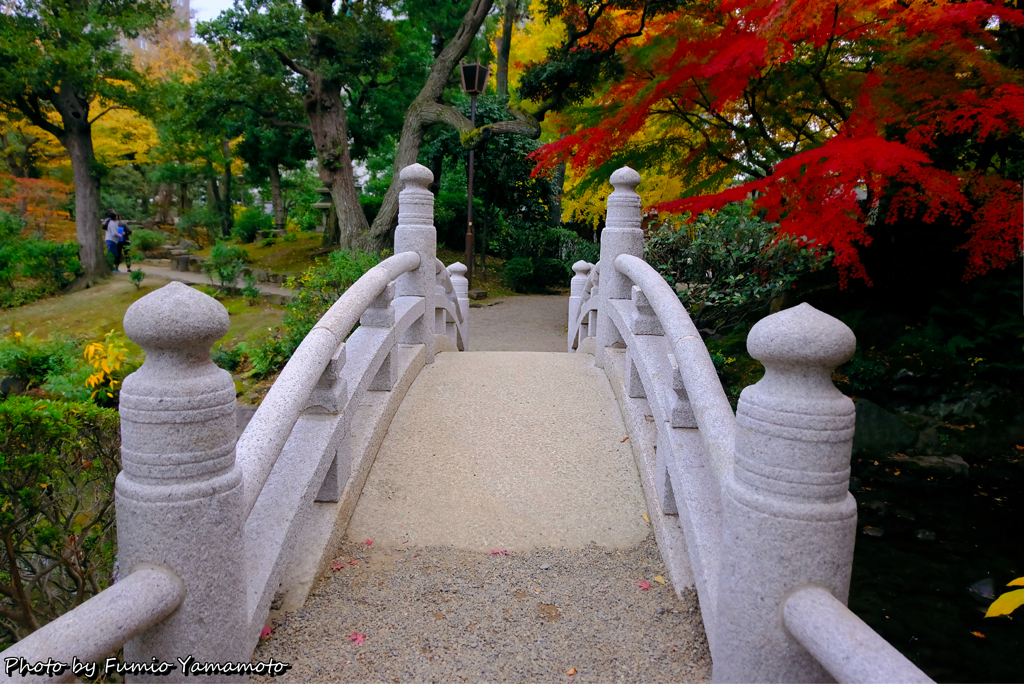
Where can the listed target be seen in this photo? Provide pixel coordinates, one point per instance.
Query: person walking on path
(113, 234)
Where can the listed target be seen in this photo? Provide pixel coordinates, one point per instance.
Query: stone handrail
(241, 520)
(849, 649)
(260, 444)
(753, 508)
(101, 625)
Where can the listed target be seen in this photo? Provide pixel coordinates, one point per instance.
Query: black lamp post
(474, 80)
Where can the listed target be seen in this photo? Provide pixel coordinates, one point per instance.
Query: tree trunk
(77, 139)
(425, 110)
(505, 46)
(329, 126)
(227, 219)
(436, 168)
(213, 191)
(555, 213)
(280, 220)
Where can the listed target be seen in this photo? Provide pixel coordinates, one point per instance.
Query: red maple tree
(837, 117)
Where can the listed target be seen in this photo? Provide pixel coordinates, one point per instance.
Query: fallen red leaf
(357, 638)
(623, 440)
(337, 565)
(499, 553)
(978, 634)
(644, 585)
(353, 562)
(266, 632)
(571, 672)
(369, 542)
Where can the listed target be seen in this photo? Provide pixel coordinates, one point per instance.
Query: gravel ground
(443, 615)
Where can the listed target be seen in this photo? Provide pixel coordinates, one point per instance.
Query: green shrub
(147, 240)
(249, 222)
(225, 264)
(49, 264)
(58, 461)
(136, 277)
(250, 292)
(10, 248)
(519, 274)
(228, 359)
(201, 225)
(317, 288)
(32, 360)
(729, 265)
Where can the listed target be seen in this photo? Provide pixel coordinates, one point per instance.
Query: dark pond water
(929, 541)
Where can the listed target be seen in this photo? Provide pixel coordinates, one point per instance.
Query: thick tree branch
(108, 109)
(292, 64)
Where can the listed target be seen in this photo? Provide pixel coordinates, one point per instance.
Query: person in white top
(113, 234)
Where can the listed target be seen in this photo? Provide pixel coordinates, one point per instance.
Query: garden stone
(243, 414)
(9, 386)
(478, 294)
(983, 591)
(880, 432)
(940, 465)
(928, 441)
(185, 243)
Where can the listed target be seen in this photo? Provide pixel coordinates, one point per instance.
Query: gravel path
(441, 615)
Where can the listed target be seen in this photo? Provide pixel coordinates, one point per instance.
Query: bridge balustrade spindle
(622, 235)
(788, 518)
(179, 497)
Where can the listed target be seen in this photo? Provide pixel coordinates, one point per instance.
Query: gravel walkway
(440, 615)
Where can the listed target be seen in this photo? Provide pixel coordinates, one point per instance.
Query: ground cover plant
(32, 267)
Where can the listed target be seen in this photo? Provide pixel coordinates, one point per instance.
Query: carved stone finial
(415, 202)
(625, 180)
(176, 317)
(581, 268)
(416, 175)
(458, 269)
(801, 335)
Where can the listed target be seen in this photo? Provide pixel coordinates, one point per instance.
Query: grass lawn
(92, 313)
(291, 258)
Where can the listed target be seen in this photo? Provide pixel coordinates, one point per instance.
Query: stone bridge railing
(212, 532)
(753, 508)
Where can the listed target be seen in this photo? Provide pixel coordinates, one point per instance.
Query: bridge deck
(511, 452)
(504, 450)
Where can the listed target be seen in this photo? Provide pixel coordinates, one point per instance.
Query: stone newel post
(581, 269)
(788, 519)
(461, 286)
(622, 235)
(416, 233)
(179, 496)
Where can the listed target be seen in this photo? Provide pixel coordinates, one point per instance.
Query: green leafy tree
(325, 51)
(60, 62)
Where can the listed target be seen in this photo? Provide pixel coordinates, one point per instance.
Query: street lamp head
(474, 77)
